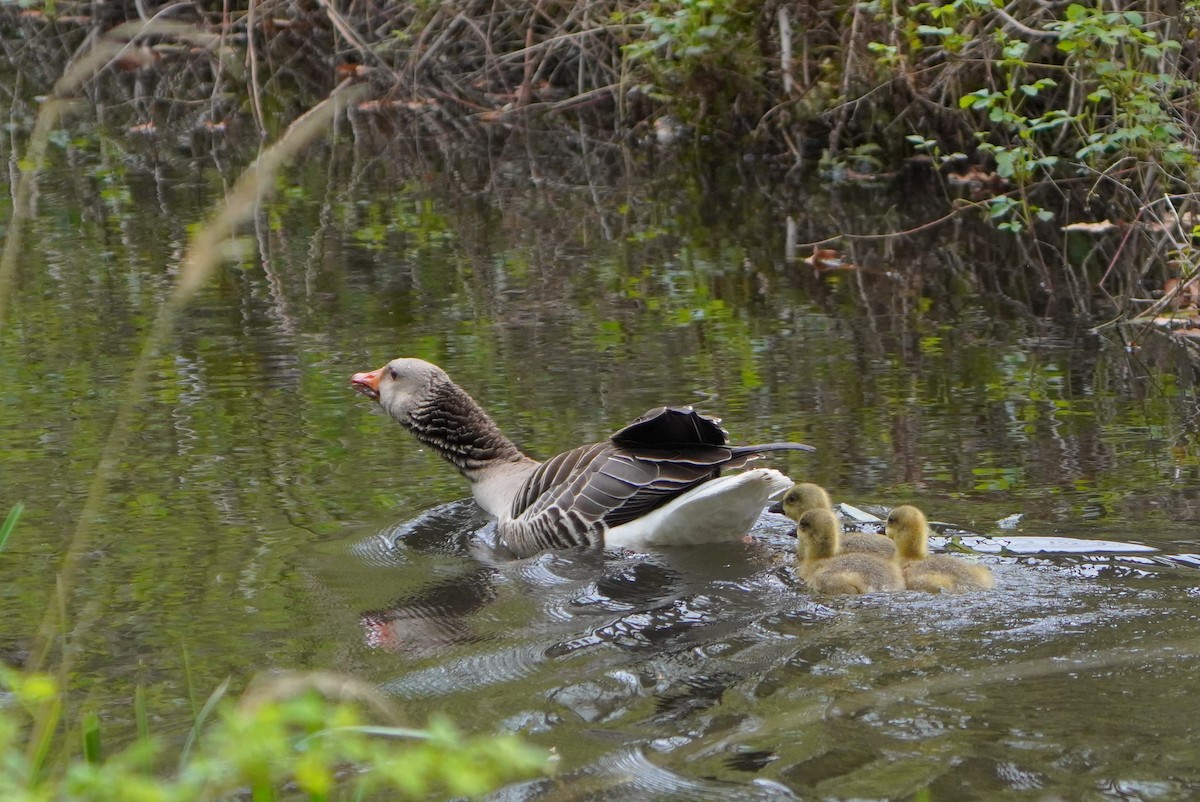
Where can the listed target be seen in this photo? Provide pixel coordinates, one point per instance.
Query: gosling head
(820, 533)
(907, 526)
(402, 386)
(804, 497)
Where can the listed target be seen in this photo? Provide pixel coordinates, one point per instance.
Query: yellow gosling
(931, 573)
(826, 571)
(807, 496)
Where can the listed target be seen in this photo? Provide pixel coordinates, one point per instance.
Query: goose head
(801, 498)
(819, 532)
(401, 386)
(907, 526)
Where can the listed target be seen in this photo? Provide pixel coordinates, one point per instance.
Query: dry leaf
(1101, 227)
(829, 259)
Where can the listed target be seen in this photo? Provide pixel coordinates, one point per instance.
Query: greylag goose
(808, 496)
(826, 570)
(655, 482)
(931, 573)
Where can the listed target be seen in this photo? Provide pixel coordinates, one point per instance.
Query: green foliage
(1097, 91)
(693, 49)
(1115, 60)
(303, 745)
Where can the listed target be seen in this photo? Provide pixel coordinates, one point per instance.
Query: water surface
(264, 517)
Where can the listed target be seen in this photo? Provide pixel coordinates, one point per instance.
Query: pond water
(262, 516)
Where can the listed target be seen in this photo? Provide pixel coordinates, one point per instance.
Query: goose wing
(571, 499)
(606, 483)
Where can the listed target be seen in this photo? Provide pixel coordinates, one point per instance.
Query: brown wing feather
(610, 484)
(572, 498)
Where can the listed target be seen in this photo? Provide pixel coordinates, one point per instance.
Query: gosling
(931, 573)
(807, 496)
(826, 571)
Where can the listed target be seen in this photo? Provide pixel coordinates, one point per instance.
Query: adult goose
(655, 482)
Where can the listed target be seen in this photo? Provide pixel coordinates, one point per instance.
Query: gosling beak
(367, 383)
(776, 508)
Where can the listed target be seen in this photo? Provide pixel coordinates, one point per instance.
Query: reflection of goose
(931, 573)
(808, 496)
(655, 482)
(827, 571)
(432, 619)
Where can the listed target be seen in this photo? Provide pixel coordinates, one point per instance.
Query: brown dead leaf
(976, 179)
(1099, 227)
(1182, 295)
(829, 259)
(379, 105)
(493, 116)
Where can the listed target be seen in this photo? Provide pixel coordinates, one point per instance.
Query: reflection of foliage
(568, 306)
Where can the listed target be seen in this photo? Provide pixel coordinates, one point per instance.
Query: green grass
(10, 523)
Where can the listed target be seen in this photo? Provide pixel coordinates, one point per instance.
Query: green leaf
(1006, 161)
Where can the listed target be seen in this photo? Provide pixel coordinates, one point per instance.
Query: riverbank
(1068, 126)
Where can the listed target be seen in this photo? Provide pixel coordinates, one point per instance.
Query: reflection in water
(425, 622)
(573, 295)
(710, 673)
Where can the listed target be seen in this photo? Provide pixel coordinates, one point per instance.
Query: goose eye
(393, 373)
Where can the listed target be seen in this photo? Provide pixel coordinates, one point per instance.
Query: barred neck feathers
(449, 421)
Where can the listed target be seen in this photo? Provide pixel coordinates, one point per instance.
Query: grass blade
(90, 728)
(205, 712)
(44, 726)
(140, 715)
(10, 523)
(188, 681)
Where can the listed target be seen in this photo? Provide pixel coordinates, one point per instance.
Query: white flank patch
(721, 510)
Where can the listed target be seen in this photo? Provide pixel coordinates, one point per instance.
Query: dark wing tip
(672, 425)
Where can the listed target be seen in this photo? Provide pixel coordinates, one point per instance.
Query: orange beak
(367, 383)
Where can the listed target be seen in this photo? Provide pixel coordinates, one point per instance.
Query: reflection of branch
(204, 254)
(252, 53)
(889, 235)
(78, 73)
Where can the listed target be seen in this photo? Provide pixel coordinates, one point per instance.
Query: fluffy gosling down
(931, 573)
(826, 571)
(807, 496)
